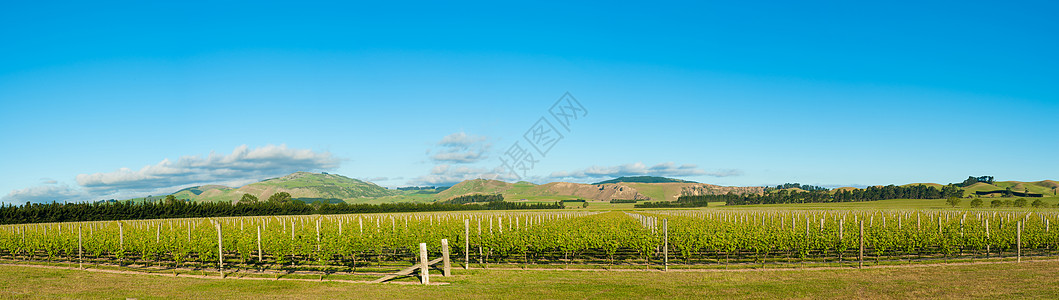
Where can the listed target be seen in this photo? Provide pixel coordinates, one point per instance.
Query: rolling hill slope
(643, 179)
(599, 192)
(300, 185)
(1046, 187)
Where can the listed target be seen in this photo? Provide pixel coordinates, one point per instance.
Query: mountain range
(333, 188)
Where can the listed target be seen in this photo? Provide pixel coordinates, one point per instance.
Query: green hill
(643, 179)
(478, 186)
(1039, 187)
(207, 193)
(301, 185)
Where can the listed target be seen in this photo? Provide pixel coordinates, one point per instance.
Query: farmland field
(912, 248)
(362, 246)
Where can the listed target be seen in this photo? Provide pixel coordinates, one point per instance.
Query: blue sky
(104, 100)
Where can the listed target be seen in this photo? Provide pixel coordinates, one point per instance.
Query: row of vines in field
(695, 238)
(836, 236)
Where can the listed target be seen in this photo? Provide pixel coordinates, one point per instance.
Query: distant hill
(643, 179)
(310, 187)
(475, 186)
(1044, 187)
(515, 191)
(599, 192)
(301, 185)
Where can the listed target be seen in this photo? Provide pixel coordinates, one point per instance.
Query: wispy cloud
(242, 166)
(454, 157)
(380, 178)
(48, 192)
(461, 139)
(461, 148)
(640, 169)
(445, 174)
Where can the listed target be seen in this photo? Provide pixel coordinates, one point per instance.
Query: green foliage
(792, 196)
(79, 212)
(281, 197)
(475, 198)
(1020, 202)
(1037, 203)
(248, 198)
(976, 202)
(953, 201)
(617, 201)
(170, 199)
(805, 187)
(971, 180)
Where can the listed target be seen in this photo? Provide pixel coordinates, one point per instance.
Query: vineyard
(372, 244)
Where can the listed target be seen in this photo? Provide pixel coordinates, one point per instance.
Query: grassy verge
(1003, 280)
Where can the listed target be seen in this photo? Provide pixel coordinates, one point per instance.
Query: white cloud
(640, 169)
(451, 156)
(461, 140)
(467, 157)
(460, 148)
(242, 166)
(445, 174)
(49, 192)
(380, 178)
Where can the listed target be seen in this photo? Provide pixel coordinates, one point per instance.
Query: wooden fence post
(220, 249)
(479, 239)
(424, 267)
(665, 245)
(446, 269)
(259, 256)
(80, 256)
(466, 244)
(1018, 241)
(860, 258)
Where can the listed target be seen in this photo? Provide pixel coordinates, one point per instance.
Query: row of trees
(789, 196)
(278, 204)
(796, 186)
(971, 180)
(919, 191)
(977, 202)
(476, 198)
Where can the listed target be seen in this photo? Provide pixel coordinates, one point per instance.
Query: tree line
(796, 186)
(971, 180)
(173, 208)
(476, 198)
(787, 196)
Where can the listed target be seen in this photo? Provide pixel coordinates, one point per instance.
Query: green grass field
(1002, 280)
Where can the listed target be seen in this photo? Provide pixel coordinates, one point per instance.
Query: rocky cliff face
(709, 189)
(604, 192)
